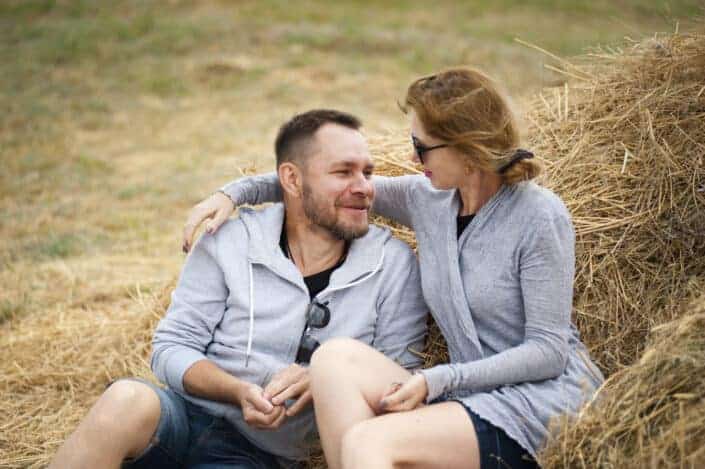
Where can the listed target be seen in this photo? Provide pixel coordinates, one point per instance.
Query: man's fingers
(276, 386)
(261, 420)
(267, 420)
(260, 404)
(301, 403)
(283, 379)
(278, 421)
(292, 391)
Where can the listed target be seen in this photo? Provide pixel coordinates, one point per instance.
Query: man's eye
(368, 174)
(343, 172)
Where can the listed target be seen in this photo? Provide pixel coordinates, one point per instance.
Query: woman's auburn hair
(465, 108)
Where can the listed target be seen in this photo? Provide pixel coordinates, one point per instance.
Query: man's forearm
(205, 379)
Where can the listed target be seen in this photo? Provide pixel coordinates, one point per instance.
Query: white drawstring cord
(252, 317)
(360, 280)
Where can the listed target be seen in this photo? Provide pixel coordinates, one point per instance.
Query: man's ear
(291, 179)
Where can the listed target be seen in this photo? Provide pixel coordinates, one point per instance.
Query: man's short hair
(294, 137)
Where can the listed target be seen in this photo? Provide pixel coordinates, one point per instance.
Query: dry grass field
(118, 116)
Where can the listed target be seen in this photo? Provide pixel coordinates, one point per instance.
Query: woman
(497, 262)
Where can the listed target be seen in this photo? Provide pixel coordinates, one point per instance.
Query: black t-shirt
(463, 221)
(317, 282)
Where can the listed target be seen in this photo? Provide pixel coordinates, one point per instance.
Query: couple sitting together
(301, 320)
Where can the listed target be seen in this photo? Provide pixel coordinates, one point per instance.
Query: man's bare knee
(119, 425)
(128, 409)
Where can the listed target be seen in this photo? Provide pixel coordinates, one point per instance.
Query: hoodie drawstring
(362, 279)
(252, 316)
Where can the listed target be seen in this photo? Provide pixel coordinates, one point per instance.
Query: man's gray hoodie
(241, 303)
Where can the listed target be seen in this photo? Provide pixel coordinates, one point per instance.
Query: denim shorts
(188, 437)
(497, 449)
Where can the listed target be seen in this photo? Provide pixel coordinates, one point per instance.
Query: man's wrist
(239, 388)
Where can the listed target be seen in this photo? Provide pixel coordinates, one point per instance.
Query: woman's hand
(217, 208)
(405, 396)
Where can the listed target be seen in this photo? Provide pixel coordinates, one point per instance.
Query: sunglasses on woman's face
(422, 149)
(317, 317)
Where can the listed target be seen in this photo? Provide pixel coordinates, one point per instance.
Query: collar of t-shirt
(317, 282)
(463, 221)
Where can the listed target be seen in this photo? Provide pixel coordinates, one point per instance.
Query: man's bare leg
(120, 425)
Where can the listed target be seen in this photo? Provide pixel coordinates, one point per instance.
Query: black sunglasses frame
(422, 149)
(318, 317)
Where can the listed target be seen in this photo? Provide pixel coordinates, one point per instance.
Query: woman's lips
(427, 173)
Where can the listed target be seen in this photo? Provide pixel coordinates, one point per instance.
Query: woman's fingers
(217, 207)
(398, 400)
(407, 396)
(394, 387)
(221, 214)
(195, 218)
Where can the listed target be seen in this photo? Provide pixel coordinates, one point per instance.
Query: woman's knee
(337, 352)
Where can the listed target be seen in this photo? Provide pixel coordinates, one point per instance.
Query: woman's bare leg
(348, 380)
(434, 436)
(119, 425)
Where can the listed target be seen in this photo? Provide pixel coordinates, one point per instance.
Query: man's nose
(361, 185)
(414, 157)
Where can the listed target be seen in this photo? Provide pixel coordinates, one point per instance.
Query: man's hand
(257, 411)
(217, 208)
(405, 396)
(293, 381)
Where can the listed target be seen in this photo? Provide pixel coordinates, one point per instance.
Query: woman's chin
(440, 186)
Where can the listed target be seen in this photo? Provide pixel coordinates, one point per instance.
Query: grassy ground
(117, 116)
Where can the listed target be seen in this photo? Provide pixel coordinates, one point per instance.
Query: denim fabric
(189, 437)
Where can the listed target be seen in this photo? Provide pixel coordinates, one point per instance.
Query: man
(253, 302)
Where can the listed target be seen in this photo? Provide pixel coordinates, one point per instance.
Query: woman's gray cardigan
(501, 295)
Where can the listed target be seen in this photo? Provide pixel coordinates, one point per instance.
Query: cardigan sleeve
(546, 270)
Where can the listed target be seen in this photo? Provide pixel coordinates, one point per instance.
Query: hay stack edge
(624, 146)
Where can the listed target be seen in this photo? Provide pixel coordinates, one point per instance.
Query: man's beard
(321, 214)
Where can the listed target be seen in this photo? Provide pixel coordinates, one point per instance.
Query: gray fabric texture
(501, 294)
(374, 297)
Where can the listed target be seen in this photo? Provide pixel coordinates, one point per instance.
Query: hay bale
(651, 414)
(626, 152)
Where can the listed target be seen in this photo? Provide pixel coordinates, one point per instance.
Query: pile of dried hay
(651, 414)
(54, 367)
(626, 152)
